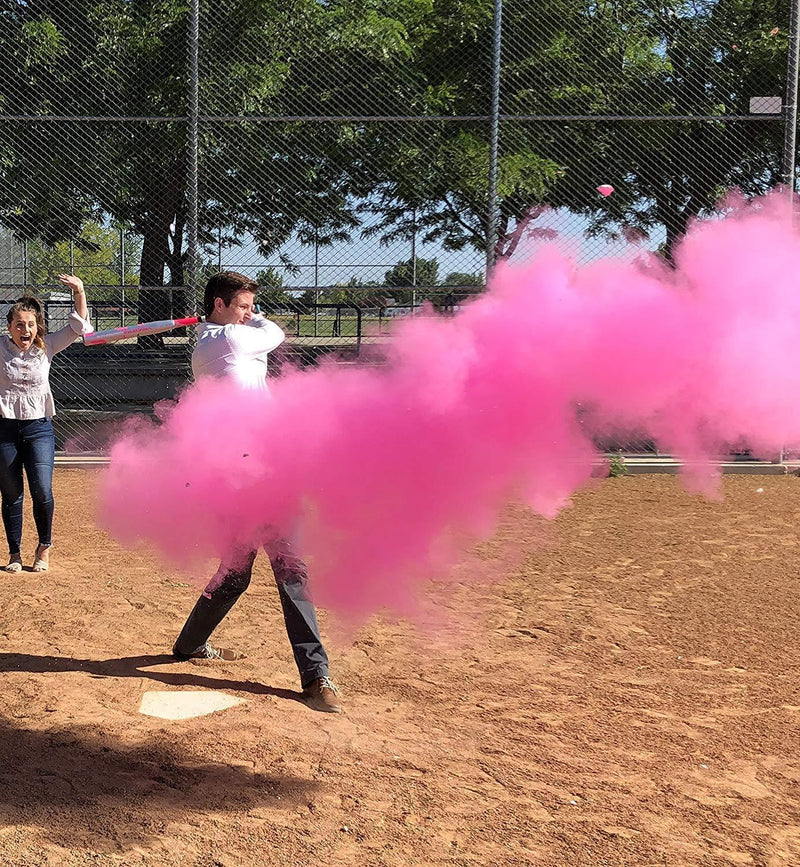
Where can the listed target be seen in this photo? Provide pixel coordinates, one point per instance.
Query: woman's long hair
(29, 304)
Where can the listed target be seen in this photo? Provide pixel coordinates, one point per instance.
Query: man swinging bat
(233, 342)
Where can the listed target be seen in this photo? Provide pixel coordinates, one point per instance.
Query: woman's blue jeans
(27, 444)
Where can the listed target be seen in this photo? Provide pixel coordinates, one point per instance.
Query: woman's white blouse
(25, 375)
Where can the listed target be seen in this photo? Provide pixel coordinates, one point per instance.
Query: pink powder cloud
(381, 473)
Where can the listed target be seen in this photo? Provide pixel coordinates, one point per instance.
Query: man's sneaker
(321, 694)
(208, 652)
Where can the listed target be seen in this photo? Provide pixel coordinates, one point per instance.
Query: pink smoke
(381, 473)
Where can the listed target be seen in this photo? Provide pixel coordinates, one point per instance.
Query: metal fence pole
(316, 284)
(493, 215)
(122, 274)
(790, 125)
(790, 104)
(414, 262)
(193, 143)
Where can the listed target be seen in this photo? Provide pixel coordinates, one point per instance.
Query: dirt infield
(629, 695)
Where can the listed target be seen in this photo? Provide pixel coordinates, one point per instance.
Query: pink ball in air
(605, 189)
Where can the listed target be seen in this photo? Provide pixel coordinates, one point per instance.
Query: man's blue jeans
(299, 615)
(30, 445)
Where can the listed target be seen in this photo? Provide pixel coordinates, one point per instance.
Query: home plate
(185, 704)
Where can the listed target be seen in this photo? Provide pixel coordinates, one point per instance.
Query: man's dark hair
(225, 285)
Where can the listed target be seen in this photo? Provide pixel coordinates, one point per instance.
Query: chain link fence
(362, 161)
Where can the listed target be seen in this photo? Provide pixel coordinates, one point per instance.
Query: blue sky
(368, 260)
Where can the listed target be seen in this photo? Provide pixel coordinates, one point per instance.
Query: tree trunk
(179, 301)
(154, 303)
(676, 229)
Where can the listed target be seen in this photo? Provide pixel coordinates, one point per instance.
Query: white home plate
(185, 704)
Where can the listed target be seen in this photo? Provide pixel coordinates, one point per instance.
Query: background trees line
(96, 257)
(327, 182)
(406, 283)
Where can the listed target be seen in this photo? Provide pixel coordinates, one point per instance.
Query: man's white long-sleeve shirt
(238, 351)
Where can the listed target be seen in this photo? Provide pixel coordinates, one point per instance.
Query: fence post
(192, 144)
(122, 274)
(790, 124)
(493, 215)
(790, 103)
(316, 284)
(414, 262)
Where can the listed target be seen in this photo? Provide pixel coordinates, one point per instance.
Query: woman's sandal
(13, 566)
(40, 565)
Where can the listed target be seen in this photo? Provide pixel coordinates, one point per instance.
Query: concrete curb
(640, 466)
(81, 461)
(634, 464)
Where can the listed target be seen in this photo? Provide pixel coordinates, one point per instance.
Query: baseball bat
(98, 338)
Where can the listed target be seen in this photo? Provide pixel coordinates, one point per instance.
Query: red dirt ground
(627, 695)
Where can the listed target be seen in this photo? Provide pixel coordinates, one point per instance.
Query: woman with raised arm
(26, 411)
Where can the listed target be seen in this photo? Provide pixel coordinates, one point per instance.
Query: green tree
(413, 272)
(339, 293)
(460, 278)
(580, 58)
(95, 58)
(349, 292)
(350, 58)
(450, 298)
(269, 278)
(711, 58)
(94, 258)
(418, 272)
(271, 290)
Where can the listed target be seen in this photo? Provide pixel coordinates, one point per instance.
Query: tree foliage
(94, 256)
(317, 182)
(607, 58)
